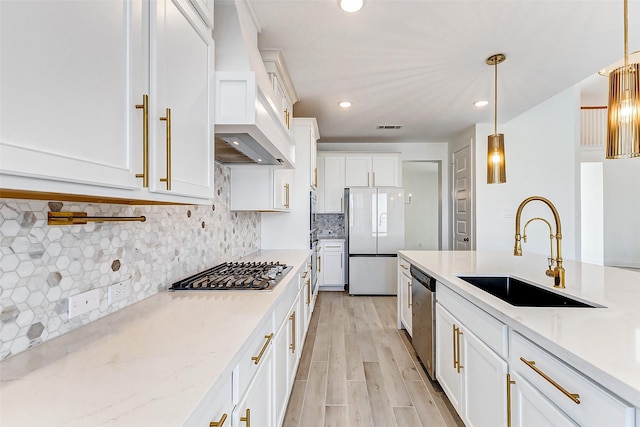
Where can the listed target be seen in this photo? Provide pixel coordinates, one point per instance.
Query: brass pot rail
(79, 218)
(575, 397)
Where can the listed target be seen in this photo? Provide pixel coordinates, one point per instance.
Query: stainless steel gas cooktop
(257, 276)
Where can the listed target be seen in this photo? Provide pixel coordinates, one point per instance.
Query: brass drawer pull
(145, 140)
(575, 397)
(509, 383)
(404, 266)
(304, 275)
(256, 359)
(247, 417)
(292, 346)
(167, 119)
(455, 361)
(308, 291)
(220, 422)
(458, 333)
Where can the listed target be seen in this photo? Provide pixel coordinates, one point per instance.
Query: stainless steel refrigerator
(375, 234)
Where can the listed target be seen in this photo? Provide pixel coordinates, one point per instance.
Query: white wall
(421, 181)
(621, 212)
(592, 212)
(542, 159)
(437, 151)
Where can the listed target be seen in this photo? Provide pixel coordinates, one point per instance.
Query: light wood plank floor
(357, 370)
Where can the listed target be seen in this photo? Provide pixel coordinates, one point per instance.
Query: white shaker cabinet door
(184, 64)
(71, 75)
(529, 408)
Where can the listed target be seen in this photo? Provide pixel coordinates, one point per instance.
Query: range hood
(247, 112)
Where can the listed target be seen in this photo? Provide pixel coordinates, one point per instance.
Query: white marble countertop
(604, 343)
(149, 364)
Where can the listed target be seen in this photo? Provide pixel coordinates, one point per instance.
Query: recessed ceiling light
(344, 104)
(234, 142)
(481, 103)
(259, 160)
(351, 5)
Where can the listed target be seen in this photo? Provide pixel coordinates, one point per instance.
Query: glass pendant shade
(623, 127)
(496, 165)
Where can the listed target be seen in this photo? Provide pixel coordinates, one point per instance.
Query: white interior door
(462, 215)
(363, 218)
(390, 220)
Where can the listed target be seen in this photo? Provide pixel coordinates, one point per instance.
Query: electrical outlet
(119, 291)
(84, 302)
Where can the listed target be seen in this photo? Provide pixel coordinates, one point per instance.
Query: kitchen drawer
(335, 246)
(286, 301)
(404, 266)
(597, 406)
(247, 367)
(490, 330)
(215, 406)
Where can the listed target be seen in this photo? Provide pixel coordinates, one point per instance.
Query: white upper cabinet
(261, 188)
(81, 111)
(205, 10)
(372, 170)
(183, 111)
(331, 182)
(69, 90)
(284, 93)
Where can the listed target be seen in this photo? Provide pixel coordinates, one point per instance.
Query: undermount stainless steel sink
(522, 294)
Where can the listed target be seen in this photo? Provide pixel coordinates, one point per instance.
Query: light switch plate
(84, 302)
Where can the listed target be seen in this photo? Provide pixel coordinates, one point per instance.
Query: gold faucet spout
(558, 271)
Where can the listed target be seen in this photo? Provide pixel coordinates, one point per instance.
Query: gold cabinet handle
(315, 175)
(220, 422)
(145, 140)
(455, 361)
(292, 346)
(308, 282)
(167, 120)
(409, 302)
(509, 383)
(256, 359)
(575, 397)
(319, 263)
(374, 178)
(247, 417)
(368, 179)
(404, 266)
(286, 196)
(304, 275)
(459, 332)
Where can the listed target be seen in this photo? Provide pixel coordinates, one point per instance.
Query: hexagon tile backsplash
(41, 266)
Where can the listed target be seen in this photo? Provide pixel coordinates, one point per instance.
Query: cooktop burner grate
(262, 276)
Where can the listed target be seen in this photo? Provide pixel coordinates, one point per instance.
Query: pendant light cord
(495, 97)
(626, 34)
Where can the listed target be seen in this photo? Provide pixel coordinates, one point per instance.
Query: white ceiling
(421, 63)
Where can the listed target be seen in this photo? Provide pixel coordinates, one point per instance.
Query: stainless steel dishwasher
(423, 316)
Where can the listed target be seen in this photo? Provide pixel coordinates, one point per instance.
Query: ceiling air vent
(388, 126)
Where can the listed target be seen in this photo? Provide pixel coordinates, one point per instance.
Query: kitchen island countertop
(149, 364)
(602, 342)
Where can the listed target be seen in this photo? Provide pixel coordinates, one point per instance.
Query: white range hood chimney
(245, 109)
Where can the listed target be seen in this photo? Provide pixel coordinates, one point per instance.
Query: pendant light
(623, 124)
(496, 168)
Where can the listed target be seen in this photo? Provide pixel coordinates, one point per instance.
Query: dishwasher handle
(423, 278)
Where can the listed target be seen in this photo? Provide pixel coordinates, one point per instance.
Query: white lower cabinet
(471, 374)
(494, 376)
(529, 408)
(286, 363)
(255, 408)
(331, 264)
(405, 312)
(581, 399)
